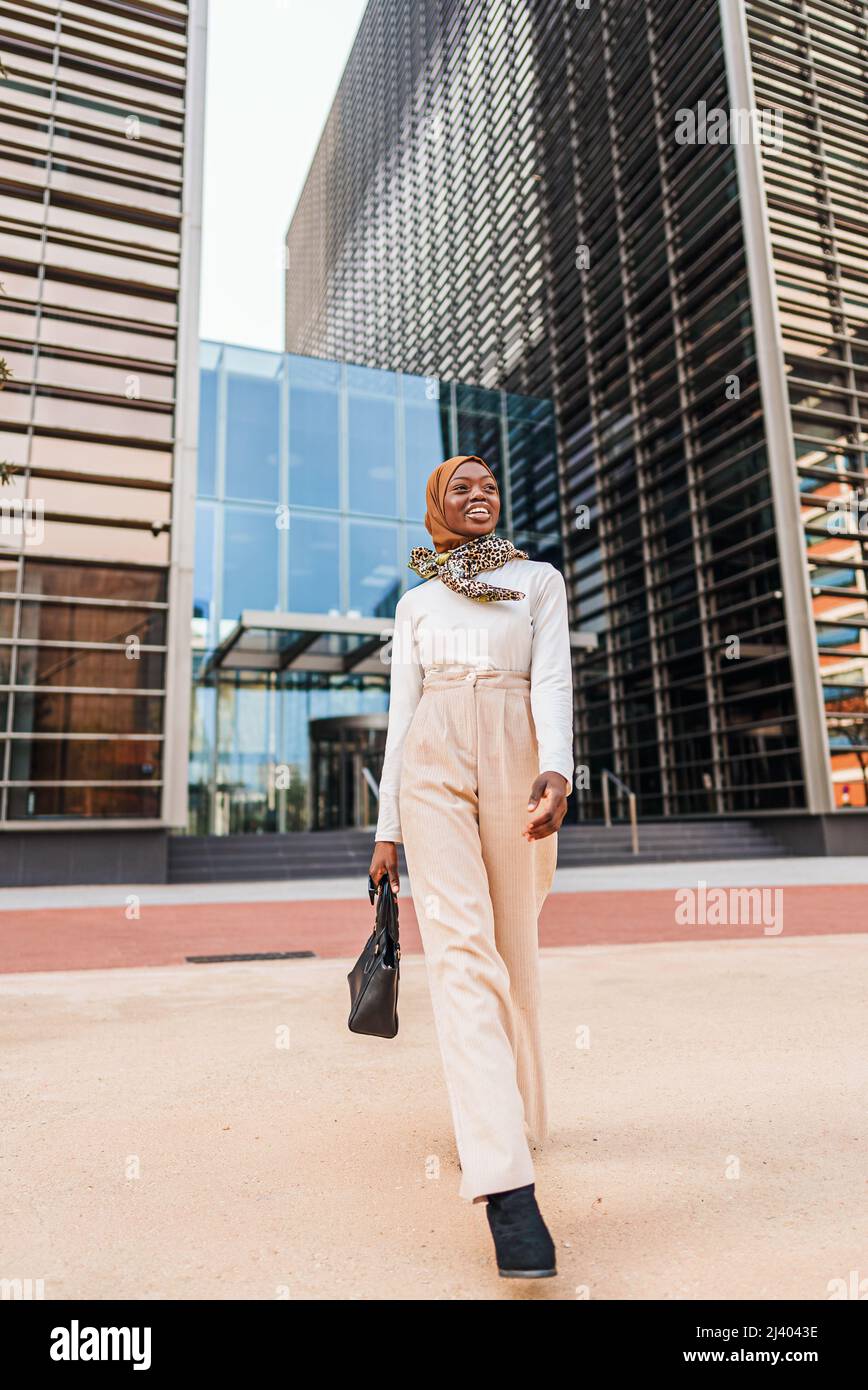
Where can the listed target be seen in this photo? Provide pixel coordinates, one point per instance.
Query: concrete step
(347, 853)
(356, 838)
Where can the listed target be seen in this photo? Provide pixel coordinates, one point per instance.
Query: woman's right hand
(385, 861)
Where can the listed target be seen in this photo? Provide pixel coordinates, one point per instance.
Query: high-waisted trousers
(469, 761)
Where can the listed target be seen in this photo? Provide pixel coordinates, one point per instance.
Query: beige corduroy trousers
(469, 761)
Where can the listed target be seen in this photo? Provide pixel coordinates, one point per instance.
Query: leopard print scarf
(456, 568)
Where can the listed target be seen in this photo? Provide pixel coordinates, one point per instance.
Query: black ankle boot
(522, 1243)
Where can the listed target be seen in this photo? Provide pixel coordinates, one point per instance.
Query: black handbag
(374, 977)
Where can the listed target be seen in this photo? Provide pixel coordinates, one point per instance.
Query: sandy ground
(160, 1140)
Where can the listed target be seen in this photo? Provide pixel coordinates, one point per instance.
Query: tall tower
(652, 213)
(101, 116)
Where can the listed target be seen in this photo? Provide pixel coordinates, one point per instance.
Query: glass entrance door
(346, 762)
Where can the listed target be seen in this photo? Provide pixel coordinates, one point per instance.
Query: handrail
(608, 777)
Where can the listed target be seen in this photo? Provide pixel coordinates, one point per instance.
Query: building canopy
(327, 644)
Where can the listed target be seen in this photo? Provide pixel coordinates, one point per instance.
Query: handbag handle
(374, 889)
(384, 890)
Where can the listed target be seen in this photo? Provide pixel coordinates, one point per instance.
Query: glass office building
(101, 115)
(696, 308)
(311, 491)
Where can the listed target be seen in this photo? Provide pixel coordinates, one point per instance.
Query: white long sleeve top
(439, 630)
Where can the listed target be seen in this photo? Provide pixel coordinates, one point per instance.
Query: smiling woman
(478, 767)
(471, 497)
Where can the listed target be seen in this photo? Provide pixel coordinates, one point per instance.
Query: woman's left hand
(548, 804)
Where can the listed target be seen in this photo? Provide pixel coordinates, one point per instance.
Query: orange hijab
(435, 521)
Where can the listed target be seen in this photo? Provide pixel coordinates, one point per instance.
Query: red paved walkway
(100, 937)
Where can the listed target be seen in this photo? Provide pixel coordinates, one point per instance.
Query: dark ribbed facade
(502, 194)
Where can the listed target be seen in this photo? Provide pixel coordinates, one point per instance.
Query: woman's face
(471, 503)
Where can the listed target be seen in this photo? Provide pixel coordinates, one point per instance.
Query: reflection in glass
(426, 443)
(314, 564)
(252, 438)
(373, 471)
(250, 568)
(120, 803)
(86, 760)
(207, 475)
(203, 576)
(60, 711)
(374, 573)
(66, 666)
(61, 622)
(314, 449)
(95, 581)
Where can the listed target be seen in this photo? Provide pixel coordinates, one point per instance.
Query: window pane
(97, 670)
(314, 564)
(95, 581)
(59, 712)
(27, 803)
(313, 448)
(252, 438)
(207, 480)
(374, 581)
(250, 572)
(426, 430)
(373, 474)
(85, 760)
(74, 622)
(203, 580)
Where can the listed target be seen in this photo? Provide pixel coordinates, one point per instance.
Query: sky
(273, 70)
